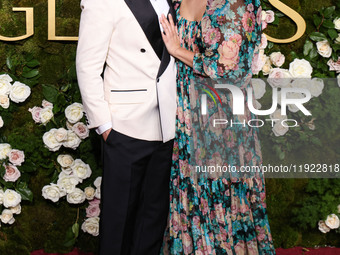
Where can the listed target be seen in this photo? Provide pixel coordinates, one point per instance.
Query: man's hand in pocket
(106, 134)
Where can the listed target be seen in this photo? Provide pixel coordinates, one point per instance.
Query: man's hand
(106, 134)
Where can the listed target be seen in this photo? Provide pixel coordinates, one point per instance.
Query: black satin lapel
(148, 20)
(164, 62)
(166, 56)
(172, 10)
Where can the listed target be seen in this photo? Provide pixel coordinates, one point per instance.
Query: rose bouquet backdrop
(50, 170)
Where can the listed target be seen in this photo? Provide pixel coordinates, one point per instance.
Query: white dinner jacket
(138, 91)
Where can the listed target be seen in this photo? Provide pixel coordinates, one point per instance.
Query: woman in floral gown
(215, 215)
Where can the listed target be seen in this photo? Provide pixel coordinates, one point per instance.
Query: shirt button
(142, 50)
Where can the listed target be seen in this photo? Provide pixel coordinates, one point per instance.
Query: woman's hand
(170, 38)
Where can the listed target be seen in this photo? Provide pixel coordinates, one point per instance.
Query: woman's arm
(230, 34)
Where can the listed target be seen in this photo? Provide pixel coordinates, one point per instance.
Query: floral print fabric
(217, 215)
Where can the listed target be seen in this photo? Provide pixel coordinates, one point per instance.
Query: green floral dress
(217, 215)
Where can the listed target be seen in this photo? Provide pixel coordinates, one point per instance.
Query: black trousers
(134, 195)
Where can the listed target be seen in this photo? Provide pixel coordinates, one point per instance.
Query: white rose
(60, 134)
(67, 170)
(257, 105)
(5, 84)
(7, 216)
(277, 58)
(69, 125)
(97, 193)
(16, 209)
(337, 40)
(74, 112)
(337, 23)
(50, 141)
(11, 198)
(53, 192)
(91, 226)
(2, 193)
(279, 129)
(35, 111)
(300, 68)
(77, 196)
(316, 87)
(81, 170)
(81, 130)
(89, 193)
(277, 115)
(19, 92)
(332, 221)
(323, 227)
(72, 140)
(65, 160)
(5, 148)
(46, 115)
(45, 103)
(267, 66)
(98, 182)
(279, 78)
(1, 122)
(263, 15)
(294, 95)
(324, 48)
(259, 87)
(301, 83)
(4, 101)
(67, 182)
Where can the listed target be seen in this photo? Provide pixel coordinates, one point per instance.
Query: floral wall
(43, 137)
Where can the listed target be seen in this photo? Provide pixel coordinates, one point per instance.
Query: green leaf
(9, 63)
(270, 45)
(307, 47)
(336, 47)
(332, 33)
(31, 73)
(69, 238)
(33, 63)
(316, 20)
(313, 53)
(329, 11)
(282, 155)
(28, 167)
(26, 193)
(316, 141)
(75, 229)
(50, 93)
(328, 24)
(293, 54)
(317, 36)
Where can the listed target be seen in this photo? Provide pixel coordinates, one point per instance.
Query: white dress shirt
(161, 7)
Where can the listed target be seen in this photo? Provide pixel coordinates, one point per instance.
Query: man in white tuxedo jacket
(133, 107)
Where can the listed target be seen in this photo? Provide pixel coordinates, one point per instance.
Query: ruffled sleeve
(231, 30)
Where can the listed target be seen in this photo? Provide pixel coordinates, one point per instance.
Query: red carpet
(308, 251)
(74, 252)
(279, 251)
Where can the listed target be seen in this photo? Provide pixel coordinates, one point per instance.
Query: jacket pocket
(128, 96)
